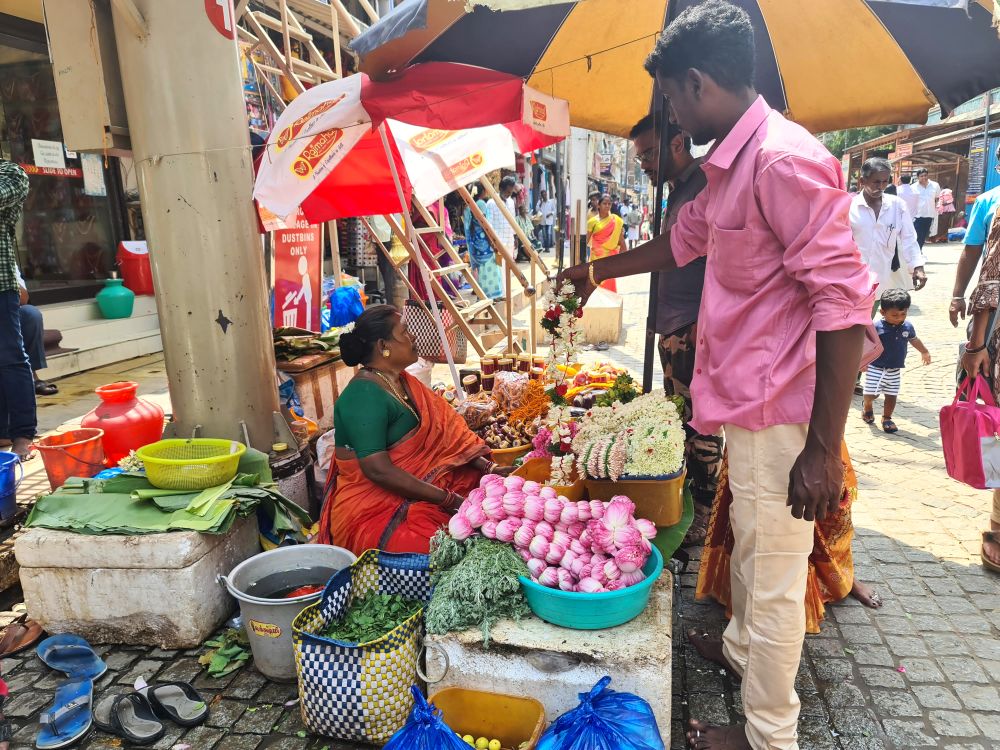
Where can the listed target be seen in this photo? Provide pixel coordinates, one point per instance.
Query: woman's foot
(699, 527)
(702, 736)
(991, 550)
(22, 447)
(866, 595)
(710, 649)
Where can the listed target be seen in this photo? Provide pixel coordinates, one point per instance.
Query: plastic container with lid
(470, 384)
(488, 365)
(505, 365)
(524, 363)
(128, 422)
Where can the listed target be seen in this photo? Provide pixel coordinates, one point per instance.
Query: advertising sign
(298, 270)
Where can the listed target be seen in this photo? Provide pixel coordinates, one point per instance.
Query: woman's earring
(386, 352)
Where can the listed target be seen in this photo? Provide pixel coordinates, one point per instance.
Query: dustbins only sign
(298, 266)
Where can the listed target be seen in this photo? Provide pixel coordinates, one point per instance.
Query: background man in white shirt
(547, 208)
(879, 221)
(926, 192)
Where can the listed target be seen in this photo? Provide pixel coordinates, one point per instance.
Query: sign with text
(298, 270)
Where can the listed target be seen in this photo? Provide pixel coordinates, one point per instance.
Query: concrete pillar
(188, 126)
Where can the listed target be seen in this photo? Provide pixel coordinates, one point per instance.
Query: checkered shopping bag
(361, 692)
(420, 323)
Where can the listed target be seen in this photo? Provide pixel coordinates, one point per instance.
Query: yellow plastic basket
(193, 464)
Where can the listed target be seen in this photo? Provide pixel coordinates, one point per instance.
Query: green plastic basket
(195, 464)
(581, 611)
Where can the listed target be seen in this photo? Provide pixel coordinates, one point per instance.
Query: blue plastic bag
(425, 729)
(345, 306)
(604, 720)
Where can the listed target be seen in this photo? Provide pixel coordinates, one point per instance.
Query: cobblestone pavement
(921, 672)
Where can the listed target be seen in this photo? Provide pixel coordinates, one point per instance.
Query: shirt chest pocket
(733, 259)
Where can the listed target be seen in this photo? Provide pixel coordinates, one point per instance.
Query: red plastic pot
(128, 422)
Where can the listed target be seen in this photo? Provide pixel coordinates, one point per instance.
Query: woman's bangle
(961, 298)
(490, 467)
(974, 349)
(590, 274)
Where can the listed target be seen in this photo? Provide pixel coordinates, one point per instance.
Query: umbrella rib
(777, 64)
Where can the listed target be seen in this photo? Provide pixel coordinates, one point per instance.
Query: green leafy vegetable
(226, 653)
(475, 585)
(372, 616)
(623, 390)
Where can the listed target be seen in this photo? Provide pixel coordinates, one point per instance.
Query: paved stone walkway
(922, 672)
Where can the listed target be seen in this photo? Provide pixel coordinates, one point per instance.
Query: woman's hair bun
(352, 349)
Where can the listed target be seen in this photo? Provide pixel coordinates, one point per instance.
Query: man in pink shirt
(782, 330)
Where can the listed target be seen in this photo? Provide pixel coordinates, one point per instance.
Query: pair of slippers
(70, 717)
(138, 716)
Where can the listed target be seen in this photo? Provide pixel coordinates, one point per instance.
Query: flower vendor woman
(605, 236)
(404, 459)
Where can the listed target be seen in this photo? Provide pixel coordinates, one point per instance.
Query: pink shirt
(782, 264)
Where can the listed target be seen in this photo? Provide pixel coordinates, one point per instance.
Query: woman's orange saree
(831, 565)
(359, 515)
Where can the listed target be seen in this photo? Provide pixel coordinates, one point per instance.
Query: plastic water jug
(128, 422)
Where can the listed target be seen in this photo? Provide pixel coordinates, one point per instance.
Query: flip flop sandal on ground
(20, 635)
(129, 716)
(868, 417)
(73, 655)
(992, 537)
(70, 717)
(177, 701)
(43, 388)
(889, 426)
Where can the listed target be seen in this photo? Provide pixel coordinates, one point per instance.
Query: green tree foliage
(838, 141)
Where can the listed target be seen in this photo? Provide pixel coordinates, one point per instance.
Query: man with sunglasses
(679, 295)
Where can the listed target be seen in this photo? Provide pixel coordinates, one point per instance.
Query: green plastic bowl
(580, 611)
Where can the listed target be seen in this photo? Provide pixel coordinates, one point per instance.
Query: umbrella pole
(428, 289)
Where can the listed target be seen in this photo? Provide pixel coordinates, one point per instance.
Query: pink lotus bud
(544, 528)
(566, 582)
(597, 573)
(598, 558)
(568, 558)
(602, 538)
(536, 566)
(630, 558)
(575, 530)
(577, 546)
(583, 511)
(477, 495)
(493, 508)
(561, 537)
(576, 567)
(549, 577)
(490, 480)
(548, 492)
(495, 490)
(555, 554)
(489, 529)
(539, 547)
(585, 572)
(618, 514)
(590, 586)
(513, 483)
(506, 529)
(459, 527)
(534, 507)
(513, 503)
(627, 536)
(524, 534)
(570, 514)
(615, 585)
(611, 570)
(531, 488)
(646, 527)
(553, 509)
(631, 579)
(476, 515)
(524, 554)
(585, 539)
(597, 509)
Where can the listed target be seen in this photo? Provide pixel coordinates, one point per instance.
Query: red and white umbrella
(448, 124)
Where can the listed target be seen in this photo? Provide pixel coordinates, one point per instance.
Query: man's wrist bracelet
(961, 298)
(590, 274)
(974, 349)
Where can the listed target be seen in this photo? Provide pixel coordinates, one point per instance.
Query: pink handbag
(970, 436)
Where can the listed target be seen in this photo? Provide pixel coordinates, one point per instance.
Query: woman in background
(605, 236)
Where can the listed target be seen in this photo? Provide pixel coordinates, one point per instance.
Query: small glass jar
(538, 373)
(505, 365)
(488, 381)
(524, 363)
(538, 361)
(471, 384)
(488, 365)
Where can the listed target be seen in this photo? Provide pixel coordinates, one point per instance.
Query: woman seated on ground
(404, 458)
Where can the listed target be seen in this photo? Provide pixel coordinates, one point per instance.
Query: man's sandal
(868, 417)
(889, 426)
(993, 537)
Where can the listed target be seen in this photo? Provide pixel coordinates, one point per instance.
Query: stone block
(154, 589)
(953, 724)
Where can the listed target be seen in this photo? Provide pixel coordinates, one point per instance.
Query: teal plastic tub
(580, 611)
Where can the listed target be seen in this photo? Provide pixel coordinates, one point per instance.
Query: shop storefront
(74, 216)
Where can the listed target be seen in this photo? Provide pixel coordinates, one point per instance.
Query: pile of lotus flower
(588, 546)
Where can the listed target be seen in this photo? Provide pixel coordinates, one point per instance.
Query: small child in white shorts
(885, 373)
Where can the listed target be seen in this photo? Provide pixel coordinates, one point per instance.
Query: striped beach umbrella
(827, 64)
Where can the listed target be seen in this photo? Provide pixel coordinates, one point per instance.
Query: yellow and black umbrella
(827, 64)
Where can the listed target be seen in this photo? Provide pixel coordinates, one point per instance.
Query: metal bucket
(268, 621)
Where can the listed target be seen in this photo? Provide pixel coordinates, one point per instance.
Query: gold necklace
(402, 398)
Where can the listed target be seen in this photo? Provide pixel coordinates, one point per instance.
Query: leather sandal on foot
(43, 388)
(993, 537)
(889, 426)
(129, 716)
(177, 701)
(868, 417)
